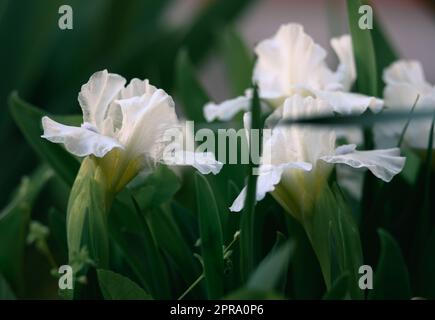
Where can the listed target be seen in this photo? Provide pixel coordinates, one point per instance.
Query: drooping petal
(350, 103)
(226, 110)
(80, 141)
(268, 177)
(96, 95)
(384, 163)
(346, 71)
(204, 162)
(288, 59)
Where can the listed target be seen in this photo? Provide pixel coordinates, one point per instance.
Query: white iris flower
(405, 81)
(297, 160)
(123, 128)
(292, 63)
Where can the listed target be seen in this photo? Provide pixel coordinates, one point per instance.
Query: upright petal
(346, 71)
(136, 88)
(78, 141)
(289, 59)
(384, 163)
(144, 122)
(405, 81)
(96, 95)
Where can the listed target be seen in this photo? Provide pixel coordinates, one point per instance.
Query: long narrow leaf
(211, 238)
(28, 119)
(247, 254)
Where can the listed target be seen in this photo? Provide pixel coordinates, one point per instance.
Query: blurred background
(144, 39)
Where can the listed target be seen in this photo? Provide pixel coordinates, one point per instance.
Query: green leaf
(365, 60)
(155, 268)
(157, 188)
(412, 166)
(335, 239)
(238, 60)
(14, 220)
(386, 54)
(169, 239)
(365, 120)
(364, 52)
(348, 245)
(117, 287)
(426, 277)
(5, 291)
(28, 119)
(272, 270)
(247, 222)
(211, 238)
(391, 279)
(86, 215)
(339, 289)
(190, 92)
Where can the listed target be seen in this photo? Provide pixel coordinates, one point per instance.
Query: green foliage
(271, 271)
(364, 51)
(5, 291)
(117, 287)
(170, 234)
(87, 217)
(238, 60)
(247, 222)
(391, 277)
(14, 221)
(211, 238)
(193, 97)
(339, 289)
(28, 119)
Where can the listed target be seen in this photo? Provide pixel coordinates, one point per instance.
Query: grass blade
(247, 254)
(28, 119)
(364, 120)
(391, 277)
(272, 269)
(211, 238)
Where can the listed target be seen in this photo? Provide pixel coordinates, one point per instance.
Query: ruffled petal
(81, 141)
(405, 71)
(145, 121)
(226, 110)
(350, 103)
(137, 88)
(96, 95)
(268, 177)
(204, 162)
(288, 59)
(405, 81)
(346, 71)
(384, 163)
